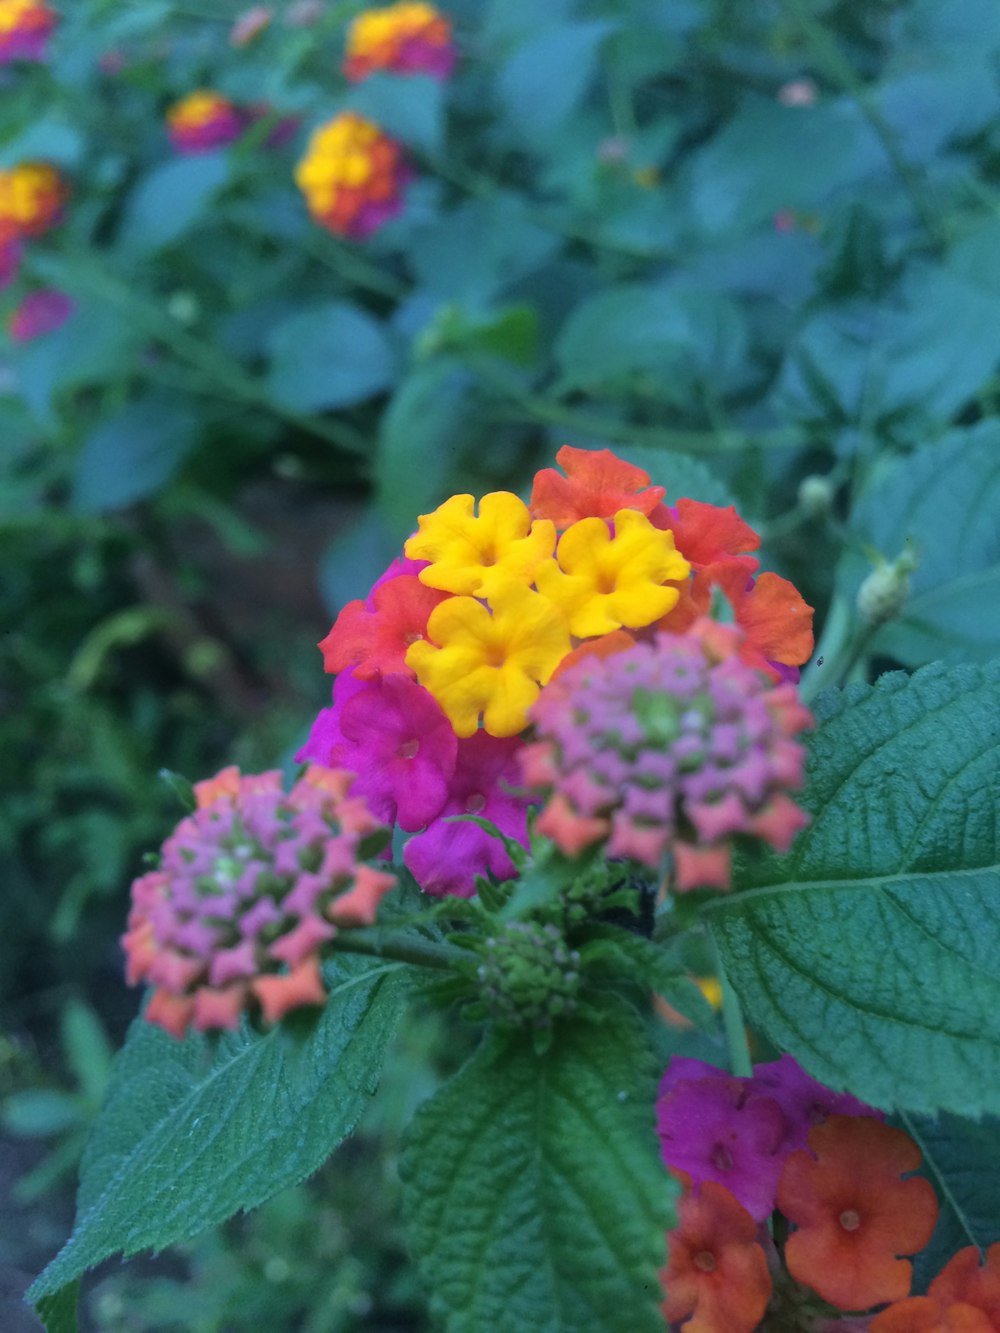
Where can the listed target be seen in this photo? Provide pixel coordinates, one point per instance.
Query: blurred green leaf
(88, 1051)
(548, 74)
(333, 355)
(132, 453)
(411, 109)
(172, 199)
(40, 1113)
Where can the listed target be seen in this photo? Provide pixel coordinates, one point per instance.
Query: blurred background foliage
(756, 247)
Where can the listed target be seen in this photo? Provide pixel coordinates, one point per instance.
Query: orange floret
(596, 485)
(854, 1213)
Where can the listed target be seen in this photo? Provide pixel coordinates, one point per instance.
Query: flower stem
(406, 948)
(740, 1063)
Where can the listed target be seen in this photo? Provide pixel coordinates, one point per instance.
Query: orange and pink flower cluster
(800, 1204)
(249, 890)
(32, 197)
(202, 121)
(440, 669)
(353, 176)
(25, 28)
(406, 38)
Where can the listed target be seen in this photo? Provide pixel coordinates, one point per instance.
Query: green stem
(740, 1063)
(835, 65)
(400, 949)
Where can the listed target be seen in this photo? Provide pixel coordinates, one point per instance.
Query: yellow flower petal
(478, 555)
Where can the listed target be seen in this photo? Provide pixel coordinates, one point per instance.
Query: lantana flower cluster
(441, 668)
(406, 38)
(250, 889)
(202, 121)
(801, 1205)
(353, 176)
(32, 198)
(25, 28)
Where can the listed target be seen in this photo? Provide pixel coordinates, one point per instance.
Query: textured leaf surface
(533, 1187)
(58, 1311)
(960, 1157)
(871, 951)
(191, 1134)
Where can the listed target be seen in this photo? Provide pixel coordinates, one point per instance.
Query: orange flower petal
(303, 985)
(597, 484)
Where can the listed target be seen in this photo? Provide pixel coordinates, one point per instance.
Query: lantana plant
(566, 756)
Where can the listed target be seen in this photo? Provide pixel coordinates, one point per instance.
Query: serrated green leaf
(194, 1131)
(654, 965)
(960, 1158)
(533, 1188)
(870, 950)
(58, 1311)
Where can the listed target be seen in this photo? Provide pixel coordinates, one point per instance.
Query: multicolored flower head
(39, 313)
(353, 176)
(249, 890)
(856, 1208)
(716, 1279)
(673, 745)
(406, 38)
(32, 196)
(496, 601)
(203, 121)
(25, 27)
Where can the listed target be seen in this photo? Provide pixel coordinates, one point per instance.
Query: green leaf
(547, 76)
(870, 951)
(533, 1188)
(960, 1158)
(660, 340)
(58, 1311)
(333, 355)
(410, 109)
(684, 477)
(131, 454)
(41, 1113)
(194, 1131)
(425, 428)
(172, 199)
(942, 502)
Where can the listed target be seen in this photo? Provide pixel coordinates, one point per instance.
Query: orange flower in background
(853, 1212)
(32, 196)
(25, 27)
(353, 176)
(716, 1279)
(408, 38)
(596, 485)
(202, 121)
(705, 533)
(963, 1298)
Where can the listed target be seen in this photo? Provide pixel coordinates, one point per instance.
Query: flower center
(722, 1158)
(705, 1260)
(475, 803)
(850, 1219)
(408, 750)
(413, 637)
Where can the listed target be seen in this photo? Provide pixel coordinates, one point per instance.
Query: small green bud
(884, 593)
(528, 976)
(816, 496)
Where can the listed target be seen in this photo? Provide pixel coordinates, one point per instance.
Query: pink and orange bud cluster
(202, 121)
(249, 890)
(842, 1181)
(669, 746)
(353, 176)
(407, 38)
(25, 27)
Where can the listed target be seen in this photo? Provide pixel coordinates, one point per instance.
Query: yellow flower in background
(352, 176)
(32, 196)
(407, 38)
(474, 555)
(490, 661)
(602, 581)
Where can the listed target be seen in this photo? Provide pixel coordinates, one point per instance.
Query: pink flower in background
(25, 27)
(447, 856)
(202, 121)
(40, 313)
(250, 24)
(10, 259)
